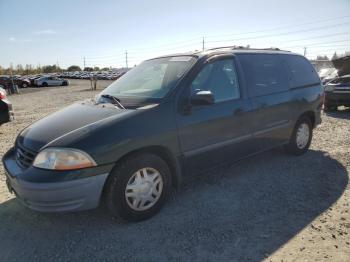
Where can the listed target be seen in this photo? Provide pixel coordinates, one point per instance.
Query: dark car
(337, 93)
(167, 117)
(6, 113)
(5, 81)
(20, 82)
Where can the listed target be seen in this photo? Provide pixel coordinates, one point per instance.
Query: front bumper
(76, 194)
(337, 98)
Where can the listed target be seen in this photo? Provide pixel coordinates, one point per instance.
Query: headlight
(329, 88)
(63, 159)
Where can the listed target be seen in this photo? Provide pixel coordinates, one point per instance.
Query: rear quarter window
(264, 73)
(301, 72)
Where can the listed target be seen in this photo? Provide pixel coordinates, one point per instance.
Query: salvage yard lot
(272, 206)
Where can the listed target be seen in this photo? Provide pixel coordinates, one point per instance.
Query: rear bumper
(6, 112)
(75, 195)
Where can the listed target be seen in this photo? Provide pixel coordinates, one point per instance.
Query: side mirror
(203, 98)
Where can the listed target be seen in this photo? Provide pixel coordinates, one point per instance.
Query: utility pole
(57, 65)
(14, 87)
(203, 43)
(304, 51)
(126, 59)
(84, 63)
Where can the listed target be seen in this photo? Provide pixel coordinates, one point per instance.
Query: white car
(50, 81)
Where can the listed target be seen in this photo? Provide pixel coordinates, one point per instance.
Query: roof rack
(245, 48)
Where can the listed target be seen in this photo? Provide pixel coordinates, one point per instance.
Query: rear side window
(265, 73)
(302, 73)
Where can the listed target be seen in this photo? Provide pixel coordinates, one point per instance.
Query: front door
(211, 134)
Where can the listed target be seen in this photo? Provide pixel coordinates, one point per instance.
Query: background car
(17, 80)
(22, 82)
(337, 93)
(33, 78)
(51, 81)
(6, 113)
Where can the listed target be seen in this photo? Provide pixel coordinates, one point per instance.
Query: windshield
(151, 79)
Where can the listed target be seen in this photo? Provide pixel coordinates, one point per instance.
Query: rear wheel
(301, 137)
(64, 83)
(24, 85)
(138, 187)
(44, 84)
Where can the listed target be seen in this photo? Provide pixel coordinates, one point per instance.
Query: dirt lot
(272, 206)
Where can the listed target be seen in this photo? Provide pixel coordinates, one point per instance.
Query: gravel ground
(271, 207)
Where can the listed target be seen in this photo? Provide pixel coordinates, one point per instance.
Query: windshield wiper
(115, 99)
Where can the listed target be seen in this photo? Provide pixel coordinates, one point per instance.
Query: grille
(24, 156)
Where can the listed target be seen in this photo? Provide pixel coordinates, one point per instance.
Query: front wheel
(301, 137)
(138, 187)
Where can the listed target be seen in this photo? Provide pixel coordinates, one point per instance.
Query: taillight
(2, 94)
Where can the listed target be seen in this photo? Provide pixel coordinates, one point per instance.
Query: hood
(74, 117)
(342, 65)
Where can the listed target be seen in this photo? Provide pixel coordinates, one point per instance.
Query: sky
(64, 32)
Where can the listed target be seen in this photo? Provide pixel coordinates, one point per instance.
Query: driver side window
(220, 78)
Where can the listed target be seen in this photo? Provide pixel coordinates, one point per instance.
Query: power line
(281, 27)
(319, 43)
(195, 41)
(279, 34)
(320, 36)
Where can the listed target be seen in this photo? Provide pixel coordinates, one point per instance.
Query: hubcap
(303, 135)
(143, 189)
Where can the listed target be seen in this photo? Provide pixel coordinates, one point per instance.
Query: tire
(64, 83)
(124, 176)
(24, 85)
(299, 146)
(44, 84)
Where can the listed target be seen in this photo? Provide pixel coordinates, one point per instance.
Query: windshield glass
(151, 79)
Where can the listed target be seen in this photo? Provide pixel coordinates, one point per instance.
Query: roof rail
(245, 48)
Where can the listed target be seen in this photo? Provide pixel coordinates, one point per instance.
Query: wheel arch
(311, 115)
(165, 154)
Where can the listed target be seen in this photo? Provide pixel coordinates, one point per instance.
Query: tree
(74, 68)
(335, 56)
(96, 68)
(19, 70)
(51, 69)
(322, 57)
(88, 69)
(105, 69)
